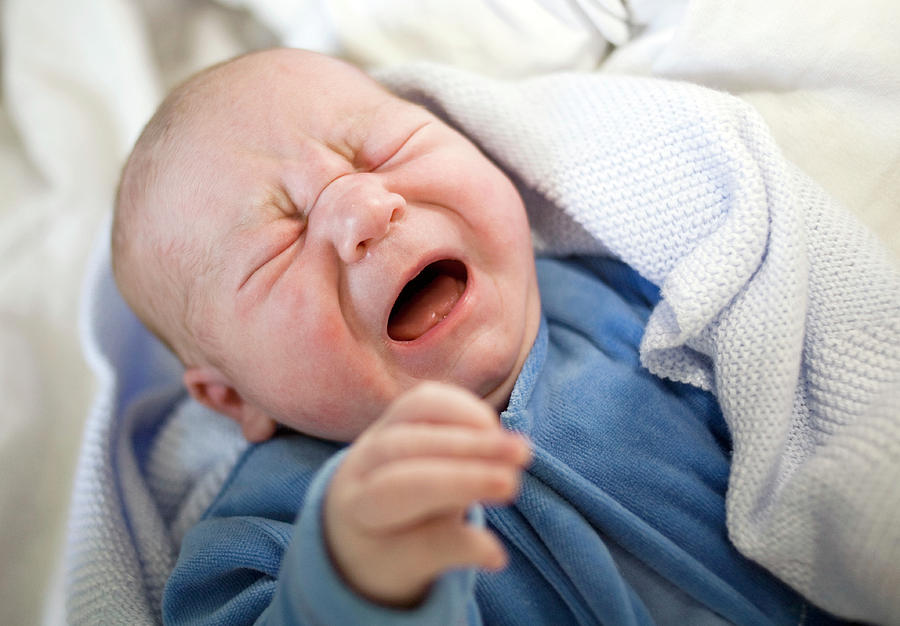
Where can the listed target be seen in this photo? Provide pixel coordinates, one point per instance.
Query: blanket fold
(773, 297)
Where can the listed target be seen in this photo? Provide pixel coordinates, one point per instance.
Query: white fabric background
(79, 80)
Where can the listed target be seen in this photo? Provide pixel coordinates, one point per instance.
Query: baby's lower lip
(427, 300)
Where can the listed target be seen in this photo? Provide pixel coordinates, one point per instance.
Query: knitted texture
(774, 298)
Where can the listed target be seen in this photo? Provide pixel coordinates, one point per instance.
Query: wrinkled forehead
(267, 100)
(275, 103)
(286, 110)
(247, 124)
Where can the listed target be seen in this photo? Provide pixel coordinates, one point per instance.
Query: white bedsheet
(79, 79)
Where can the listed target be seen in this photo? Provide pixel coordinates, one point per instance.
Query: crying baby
(311, 246)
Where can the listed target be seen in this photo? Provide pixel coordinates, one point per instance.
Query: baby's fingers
(438, 403)
(430, 549)
(454, 543)
(429, 440)
(408, 492)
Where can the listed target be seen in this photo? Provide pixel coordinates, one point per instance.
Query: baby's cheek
(342, 396)
(327, 334)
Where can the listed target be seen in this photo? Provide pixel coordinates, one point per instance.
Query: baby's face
(360, 246)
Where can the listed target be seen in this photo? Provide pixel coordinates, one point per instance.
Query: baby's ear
(211, 389)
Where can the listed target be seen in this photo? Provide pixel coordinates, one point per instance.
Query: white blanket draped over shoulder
(773, 297)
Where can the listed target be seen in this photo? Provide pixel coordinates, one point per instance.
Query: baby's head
(311, 245)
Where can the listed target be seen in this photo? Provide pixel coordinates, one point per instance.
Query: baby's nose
(357, 212)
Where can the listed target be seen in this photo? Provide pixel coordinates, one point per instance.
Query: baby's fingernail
(523, 448)
(499, 560)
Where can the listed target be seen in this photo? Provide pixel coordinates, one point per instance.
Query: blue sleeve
(245, 570)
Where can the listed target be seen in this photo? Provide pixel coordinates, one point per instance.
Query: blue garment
(620, 519)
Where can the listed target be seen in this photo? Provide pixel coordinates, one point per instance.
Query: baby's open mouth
(427, 299)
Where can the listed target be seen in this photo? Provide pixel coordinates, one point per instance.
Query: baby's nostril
(396, 214)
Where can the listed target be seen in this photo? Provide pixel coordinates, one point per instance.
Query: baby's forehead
(299, 111)
(279, 90)
(298, 122)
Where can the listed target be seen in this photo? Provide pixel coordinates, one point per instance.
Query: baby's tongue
(425, 308)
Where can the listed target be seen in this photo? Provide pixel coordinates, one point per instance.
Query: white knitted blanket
(774, 298)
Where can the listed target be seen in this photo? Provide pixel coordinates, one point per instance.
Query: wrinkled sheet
(80, 80)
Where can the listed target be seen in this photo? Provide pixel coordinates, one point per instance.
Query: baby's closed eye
(378, 153)
(270, 250)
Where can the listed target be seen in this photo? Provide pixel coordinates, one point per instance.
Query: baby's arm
(395, 512)
(391, 508)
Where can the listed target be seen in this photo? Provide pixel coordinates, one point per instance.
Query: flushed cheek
(510, 222)
(346, 377)
(339, 401)
(495, 212)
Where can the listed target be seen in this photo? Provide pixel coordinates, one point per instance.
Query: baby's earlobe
(211, 389)
(256, 426)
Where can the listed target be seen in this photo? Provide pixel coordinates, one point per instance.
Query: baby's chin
(495, 377)
(489, 369)
(495, 388)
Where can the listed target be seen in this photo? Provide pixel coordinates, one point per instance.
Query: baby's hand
(395, 512)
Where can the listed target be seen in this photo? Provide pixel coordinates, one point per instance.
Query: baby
(328, 258)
